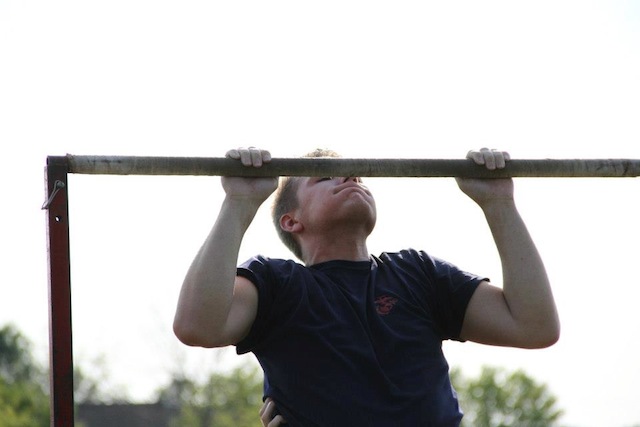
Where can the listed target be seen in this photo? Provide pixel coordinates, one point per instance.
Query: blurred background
(403, 79)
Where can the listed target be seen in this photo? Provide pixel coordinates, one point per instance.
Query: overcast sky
(370, 79)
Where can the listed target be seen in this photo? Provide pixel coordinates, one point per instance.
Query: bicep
(243, 311)
(488, 319)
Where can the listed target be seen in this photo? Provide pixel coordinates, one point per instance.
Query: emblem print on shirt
(384, 304)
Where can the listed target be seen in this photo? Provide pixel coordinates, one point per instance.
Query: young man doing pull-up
(349, 338)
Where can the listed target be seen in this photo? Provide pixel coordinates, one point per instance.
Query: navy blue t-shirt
(359, 343)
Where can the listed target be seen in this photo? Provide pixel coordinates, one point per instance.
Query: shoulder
(260, 260)
(260, 263)
(408, 258)
(435, 270)
(264, 270)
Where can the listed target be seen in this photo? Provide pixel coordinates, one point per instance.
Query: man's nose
(351, 178)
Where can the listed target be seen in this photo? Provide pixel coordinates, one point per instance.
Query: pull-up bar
(314, 166)
(56, 204)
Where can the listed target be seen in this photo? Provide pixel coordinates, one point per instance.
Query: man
(350, 338)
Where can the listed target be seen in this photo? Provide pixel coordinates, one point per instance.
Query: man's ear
(290, 224)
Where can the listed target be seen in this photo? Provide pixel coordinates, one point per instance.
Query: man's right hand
(255, 189)
(268, 414)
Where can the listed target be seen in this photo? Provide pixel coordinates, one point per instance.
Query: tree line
(495, 398)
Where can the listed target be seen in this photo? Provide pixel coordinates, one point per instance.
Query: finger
(256, 156)
(489, 158)
(499, 159)
(263, 408)
(233, 154)
(266, 412)
(476, 156)
(245, 156)
(266, 156)
(277, 421)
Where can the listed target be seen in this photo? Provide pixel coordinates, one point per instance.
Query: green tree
(23, 384)
(224, 400)
(501, 399)
(495, 399)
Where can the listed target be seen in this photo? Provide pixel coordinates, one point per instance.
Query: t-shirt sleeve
(452, 289)
(276, 297)
(257, 271)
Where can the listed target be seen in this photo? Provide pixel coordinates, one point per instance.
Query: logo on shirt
(384, 304)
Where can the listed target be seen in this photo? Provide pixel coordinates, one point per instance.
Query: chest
(387, 314)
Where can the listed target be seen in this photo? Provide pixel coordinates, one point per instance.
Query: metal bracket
(57, 186)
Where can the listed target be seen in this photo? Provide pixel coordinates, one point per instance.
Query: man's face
(335, 201)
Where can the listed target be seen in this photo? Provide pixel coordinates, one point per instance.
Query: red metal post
(60, 336)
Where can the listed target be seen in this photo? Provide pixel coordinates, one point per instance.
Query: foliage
(494, 399)
(224, 400)
(15, 356)
(23, 397)
(24, 394)
(23, 404)
(501, 399)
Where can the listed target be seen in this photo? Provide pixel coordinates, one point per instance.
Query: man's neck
(322, 250)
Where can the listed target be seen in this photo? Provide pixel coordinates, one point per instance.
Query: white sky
(370, 79)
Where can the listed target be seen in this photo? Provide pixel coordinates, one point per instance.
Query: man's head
(287, 202)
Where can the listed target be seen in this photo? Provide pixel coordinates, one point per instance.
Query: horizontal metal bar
(565, 168)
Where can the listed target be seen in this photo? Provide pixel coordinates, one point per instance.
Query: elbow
(545, 342)
(186, 335)
(193, 336)
(553, 332)
(553, 337)
(544, 337)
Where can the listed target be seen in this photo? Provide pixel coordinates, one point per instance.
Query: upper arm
(488, 319)
(244, 308)
(218, 328)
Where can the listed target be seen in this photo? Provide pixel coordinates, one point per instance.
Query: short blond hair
(286, 200)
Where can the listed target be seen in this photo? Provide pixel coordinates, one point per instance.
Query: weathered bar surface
(560, 168)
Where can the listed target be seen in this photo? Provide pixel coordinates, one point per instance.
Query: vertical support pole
(60, 336)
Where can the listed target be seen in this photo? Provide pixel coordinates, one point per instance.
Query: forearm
(207, 291)
(526, 286)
